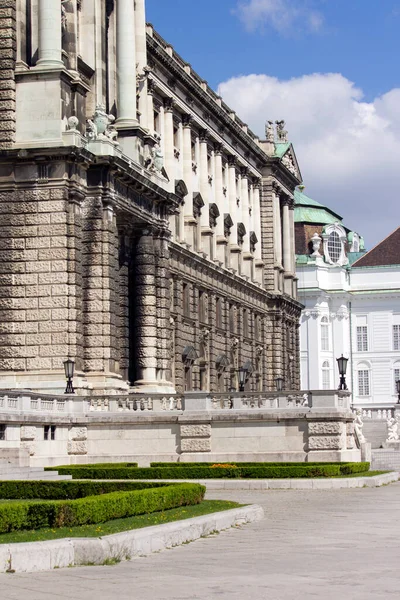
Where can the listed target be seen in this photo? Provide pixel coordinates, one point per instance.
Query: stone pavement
(312, 544)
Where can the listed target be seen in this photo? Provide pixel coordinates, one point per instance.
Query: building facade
(146, 232)
(351, 306)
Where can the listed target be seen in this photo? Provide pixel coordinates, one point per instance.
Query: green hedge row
(96, 509)
(68, 490)
(239, 464)
(201, 472)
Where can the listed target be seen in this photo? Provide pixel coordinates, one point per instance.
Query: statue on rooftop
(269, 131)
(281, 131)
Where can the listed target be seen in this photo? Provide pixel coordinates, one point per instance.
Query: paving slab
(311, 545)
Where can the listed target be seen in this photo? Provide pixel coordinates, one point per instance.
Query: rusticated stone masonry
(8, 55)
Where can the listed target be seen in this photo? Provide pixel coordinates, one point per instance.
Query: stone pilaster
(126, 64)
(8, 57)
(162, 281)
(145, 324)
(267, 233)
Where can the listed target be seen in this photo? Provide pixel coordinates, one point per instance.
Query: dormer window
(334, 237)
(334, 246)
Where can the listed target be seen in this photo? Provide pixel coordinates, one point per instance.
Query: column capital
(187, 120)
(169, 104)
(204, 135)
(232, 161)
(244, 171)
(218, 149)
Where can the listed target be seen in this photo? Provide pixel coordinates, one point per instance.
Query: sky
(330, 68)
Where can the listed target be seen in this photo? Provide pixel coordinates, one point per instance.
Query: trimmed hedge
(97, 509)
(234, 471)
(68, 490)
(238, 464)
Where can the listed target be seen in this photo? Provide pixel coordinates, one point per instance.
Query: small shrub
(97, 509)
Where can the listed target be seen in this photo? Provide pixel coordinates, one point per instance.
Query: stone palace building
(146, 232)
(148, 235)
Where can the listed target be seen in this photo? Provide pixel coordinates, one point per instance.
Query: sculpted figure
(358, 425)
(393, 427)
(281, 131)
(269, 131)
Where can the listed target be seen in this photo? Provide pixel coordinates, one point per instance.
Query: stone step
(375, 432)
(385, 460)
(31, 474)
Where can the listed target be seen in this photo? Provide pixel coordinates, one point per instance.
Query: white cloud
(348, 149)
(283, 15)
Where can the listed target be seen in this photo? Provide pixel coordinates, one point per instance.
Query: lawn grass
(117, 525)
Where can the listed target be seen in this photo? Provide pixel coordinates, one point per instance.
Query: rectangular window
(396, 378)
(257, 328)
(363, 383)
(49, 432)
(186, 300)
(188, 379)
(157, 128)
(326, 379)
(232, 319)
(396, 337)
(362, 338)
(2, 433)
(245, 323)
(218, 313)
(324, 336)
(202, 307)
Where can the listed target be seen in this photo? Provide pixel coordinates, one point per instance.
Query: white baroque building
(351, 306)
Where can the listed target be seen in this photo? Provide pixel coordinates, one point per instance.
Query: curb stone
(287, 484)
(43, 556)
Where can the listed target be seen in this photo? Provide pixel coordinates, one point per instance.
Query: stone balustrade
(378, 413)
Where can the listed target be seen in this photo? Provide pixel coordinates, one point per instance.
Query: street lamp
(242, 372)
(342, 366)
(69, 367)
(279, 383)
(398, 391)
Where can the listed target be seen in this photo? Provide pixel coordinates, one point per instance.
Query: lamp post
(69, 366)
(342, 366)
(279, 383)
(242, 372)
(398, 391)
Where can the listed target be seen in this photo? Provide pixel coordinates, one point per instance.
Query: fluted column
(126, 63)
(50, 45)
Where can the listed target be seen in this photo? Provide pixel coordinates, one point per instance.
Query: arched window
(326, 375)
(324, 333)
(334, 246)
(364, 379)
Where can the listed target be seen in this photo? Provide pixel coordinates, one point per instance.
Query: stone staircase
(375, 432)
(13, 472)
(385, 460)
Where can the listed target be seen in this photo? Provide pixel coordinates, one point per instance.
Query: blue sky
(283, 52)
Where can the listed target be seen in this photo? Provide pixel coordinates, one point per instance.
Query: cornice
(159, 54)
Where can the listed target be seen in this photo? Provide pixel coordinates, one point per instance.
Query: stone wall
(8, 55)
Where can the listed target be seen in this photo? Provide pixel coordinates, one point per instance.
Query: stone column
(164, 346)
(287, 259)
(233, 209)
(150, 105)
(244, 186)
(146, 313)
(220, 240)
(126, 63)
(49, 12)
(169, 141)
(187, 165)
(204, 185)
(141, 59)
(257, 218)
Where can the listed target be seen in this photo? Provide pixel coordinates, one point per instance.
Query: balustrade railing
(25, 401)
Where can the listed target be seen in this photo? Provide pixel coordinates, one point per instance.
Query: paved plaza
(311, 544)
